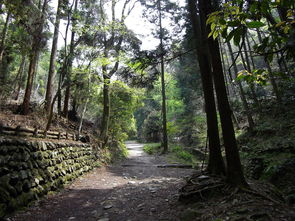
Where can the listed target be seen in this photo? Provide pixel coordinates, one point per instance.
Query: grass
(152, 148)
(176, 153)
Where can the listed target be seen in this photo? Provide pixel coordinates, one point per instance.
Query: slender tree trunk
(250, 51)
(235, 174)
(215, 164)
(69, 66)
(51, 73)
(106, 107)
(246, 64)
(3, 64)
(18, 80)
(164, 110)
(59, 95)
(30, 80)
(67, 101)
(227, 83)
(85, 104)
(230, 74)
(270, 72)
(4, 36)
(33, 61)
(242, 92)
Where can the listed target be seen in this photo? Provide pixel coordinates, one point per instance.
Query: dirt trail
(133, 190)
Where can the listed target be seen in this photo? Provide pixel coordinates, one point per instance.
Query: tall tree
(241, 90)
(164, 111)
(51, 72)
(4, 36)
(37, 44)
(215, 164)
(112, 40)
(69, 60)
(234, 169)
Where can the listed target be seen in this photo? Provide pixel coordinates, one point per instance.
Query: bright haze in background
(140, 26)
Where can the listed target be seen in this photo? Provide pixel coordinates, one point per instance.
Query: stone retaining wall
(30, 169)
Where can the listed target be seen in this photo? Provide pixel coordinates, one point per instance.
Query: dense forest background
(221, 70)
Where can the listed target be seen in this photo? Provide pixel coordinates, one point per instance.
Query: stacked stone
(30, 169)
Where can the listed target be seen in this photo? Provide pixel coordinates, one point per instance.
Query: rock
(103, 219)
(203, 177)
(131, 182)
(141, 205)
(108, 206)
(152, 189)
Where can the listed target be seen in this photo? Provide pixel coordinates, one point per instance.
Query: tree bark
(215, 164)
(19, 77)
(228, 89)
(234, 173)
(3, 64)
(36, 47)
(85, 104)
(270, 72)
(246, 64)
(242, 92)
(67, 101)
(51, 72)
(4, 36)
(70, 65)
(106, 108)
(164, 109)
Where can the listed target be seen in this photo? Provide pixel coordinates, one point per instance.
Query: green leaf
(215, 35)
(255, 24)
(233, 23)
(230, 35)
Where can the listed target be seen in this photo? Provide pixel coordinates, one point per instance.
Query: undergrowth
(176, 153)
(267, 149)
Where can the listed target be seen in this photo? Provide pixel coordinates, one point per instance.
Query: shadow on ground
(136, 189)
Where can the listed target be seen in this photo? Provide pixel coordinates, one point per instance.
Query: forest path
(132, 190)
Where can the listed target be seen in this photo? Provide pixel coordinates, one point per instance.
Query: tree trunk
(51, 73)
(33, 61)
(164, 111)
(59, 95)
(85, 104)
(246, 64)
(228, 92)
(4, 64)
(242, 92)
(215, 164)
(67, 101)
(30, 79)
(4, 35)
(70, 65)
(234, 174)
(19, 77)
(106, 108)
(270, 72)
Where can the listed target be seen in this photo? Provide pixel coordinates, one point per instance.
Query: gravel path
(133, 190)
